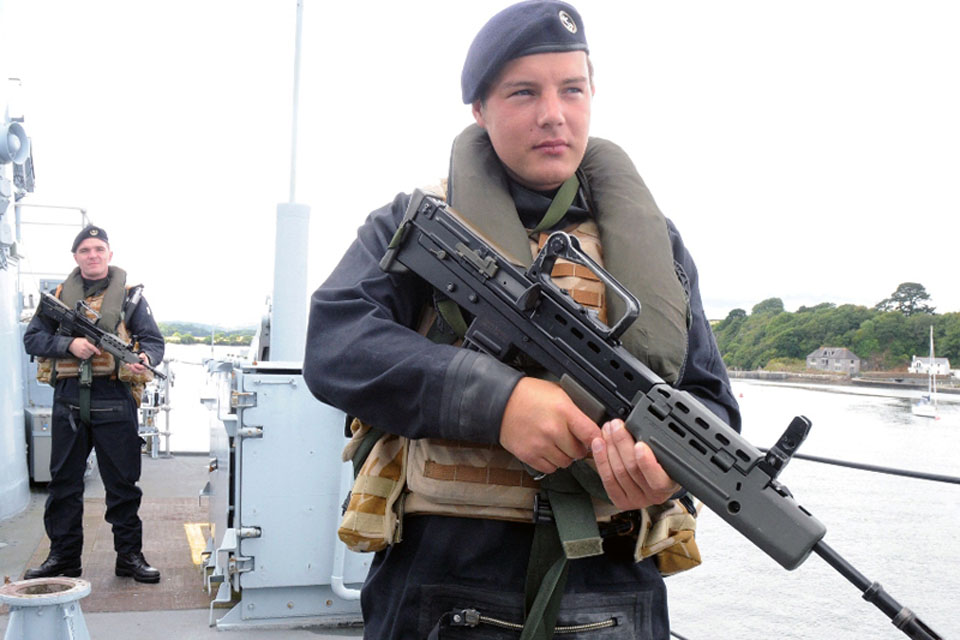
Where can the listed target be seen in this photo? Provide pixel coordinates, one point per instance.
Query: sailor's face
(537, 113)
(93, 257)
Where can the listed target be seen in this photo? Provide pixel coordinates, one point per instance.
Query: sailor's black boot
(135, 565)
(55, 566)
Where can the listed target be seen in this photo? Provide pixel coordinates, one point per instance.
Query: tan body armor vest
(484, 480)
(584, 286)
(108, 306)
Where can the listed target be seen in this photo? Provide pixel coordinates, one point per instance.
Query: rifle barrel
(901, 617)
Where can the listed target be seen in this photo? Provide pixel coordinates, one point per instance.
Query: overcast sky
(807, 151)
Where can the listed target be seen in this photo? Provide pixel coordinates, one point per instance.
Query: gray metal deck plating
(175, 526)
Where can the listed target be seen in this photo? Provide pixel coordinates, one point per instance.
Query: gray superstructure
(276, 484)
(14, 155)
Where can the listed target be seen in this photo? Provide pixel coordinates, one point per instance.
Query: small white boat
(926, 406)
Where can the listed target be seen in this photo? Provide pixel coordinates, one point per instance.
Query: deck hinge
(243, 399)
(240, 564)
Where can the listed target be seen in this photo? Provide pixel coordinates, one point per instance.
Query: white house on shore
(839, 359)
(921, 364)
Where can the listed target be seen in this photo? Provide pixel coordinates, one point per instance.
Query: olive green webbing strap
(573, 514)
(397, 237)
(561, 203)
(451, 314)
(572, 534)
(546, 579)
(589, 479)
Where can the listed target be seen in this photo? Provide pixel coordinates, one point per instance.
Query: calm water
(189, 420)
(897, 531)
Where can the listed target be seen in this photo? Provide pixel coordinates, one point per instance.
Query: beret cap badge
(567, 21)
(89, 231)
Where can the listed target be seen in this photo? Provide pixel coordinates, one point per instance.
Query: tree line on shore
(193, 333)
(884, 337)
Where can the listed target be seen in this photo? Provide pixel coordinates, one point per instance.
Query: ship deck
(175, 528)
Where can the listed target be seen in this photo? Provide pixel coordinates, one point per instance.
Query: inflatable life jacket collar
(633, 232)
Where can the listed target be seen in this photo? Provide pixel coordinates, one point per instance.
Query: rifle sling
(83, 392)
(546, 579)
(560, 204)
(572, 534)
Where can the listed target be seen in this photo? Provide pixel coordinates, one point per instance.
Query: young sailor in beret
(444, 497)
(522, 29)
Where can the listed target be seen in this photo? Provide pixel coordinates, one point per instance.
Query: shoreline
(891, 380)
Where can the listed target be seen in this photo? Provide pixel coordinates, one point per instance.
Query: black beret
(89, 231)
(533, 26)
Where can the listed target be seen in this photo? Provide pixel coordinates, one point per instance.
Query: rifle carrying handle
(562, 245)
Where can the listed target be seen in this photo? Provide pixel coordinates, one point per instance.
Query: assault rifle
(74, 322)
(517, 311)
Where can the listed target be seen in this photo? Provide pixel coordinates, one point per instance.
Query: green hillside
(193, 333)
(885, 337)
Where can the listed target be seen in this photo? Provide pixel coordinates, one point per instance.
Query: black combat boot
(135, 565)
(55, 566)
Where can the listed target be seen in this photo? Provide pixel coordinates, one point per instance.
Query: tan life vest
(473, 480)
(633, 232)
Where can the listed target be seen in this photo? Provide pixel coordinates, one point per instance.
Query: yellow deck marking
(196, 539)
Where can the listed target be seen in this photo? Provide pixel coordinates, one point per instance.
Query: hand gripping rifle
(516, 311)
(74, 322)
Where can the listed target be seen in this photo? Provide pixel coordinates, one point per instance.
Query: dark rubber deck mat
(169, 525)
